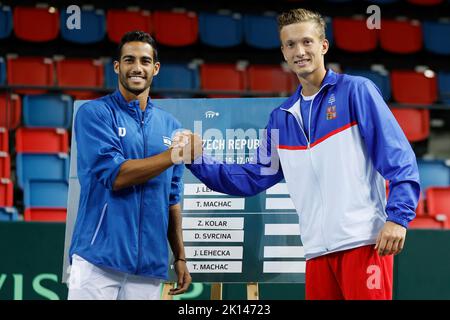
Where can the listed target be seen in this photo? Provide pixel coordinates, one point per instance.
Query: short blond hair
(302, 15)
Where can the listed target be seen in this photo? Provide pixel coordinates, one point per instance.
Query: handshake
(186, 147)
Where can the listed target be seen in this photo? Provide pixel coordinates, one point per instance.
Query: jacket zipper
(311, 160)
(142, 197)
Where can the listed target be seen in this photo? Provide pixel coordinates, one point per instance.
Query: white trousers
(89, 282)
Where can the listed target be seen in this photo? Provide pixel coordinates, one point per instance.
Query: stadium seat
(444, 87)
(425, 2)
(6, 23)
(221, 77)
(46, 193)
(414, 122)
(31, 71)
(10, 110)
(380, 79)
(353, 35)
(270, 78)
(5, 165)
(433, 173)
(420, 210)
(413, 87)
(79, 73)
(2, 71)
(8, 214)
(438, 202)
(175, 28)
(92, 28)
(36, 24)
(45, 214)
(436, 37)
(401, 36)
(42, 140)
(110, 76)
(48, 111)
(118, 22)
(176, 76)
(6, 192)
(229, 26)
(426, 223)
(382, 1)
(261, 31)
(41, 166)
(4, 140)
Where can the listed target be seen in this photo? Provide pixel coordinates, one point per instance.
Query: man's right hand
(186, 147)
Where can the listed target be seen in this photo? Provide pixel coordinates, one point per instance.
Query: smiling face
(303, 48)
(136, 67)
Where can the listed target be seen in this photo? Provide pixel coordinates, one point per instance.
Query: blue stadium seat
(228, 26)
(92, 28)
(46, 193)
(261, 31)
(109, 75)
(6, 21)
(41, 166)
(382, 1)
(444, 86)
(8, 214)
(433, 173)
(2, 70)
(47, 110)
(381, 80)
(435, 37)
(176, 76)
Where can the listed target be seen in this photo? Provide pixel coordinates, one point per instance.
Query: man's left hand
(184, 278)
(390, 239)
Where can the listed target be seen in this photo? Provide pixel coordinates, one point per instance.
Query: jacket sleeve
(176, 186)
(99, 149)
(390, 152)
(242, 179)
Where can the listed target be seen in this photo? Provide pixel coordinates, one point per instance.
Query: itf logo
(211, 114)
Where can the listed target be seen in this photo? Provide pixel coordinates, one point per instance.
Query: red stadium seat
(32, 71)
(414, 122)
(118, 22)
(4, 140)
(42, 140)
(79, 73)
(221, 77)
(36, 24)
(353, 35)
(175, 28)
(10, 110)
(438, 201)
(426, 223)
(6, 193)
(425, 2)
(5, 165)
(45, 214)
(270, 79)
(420, 210)
(401, 36)
(414, 87)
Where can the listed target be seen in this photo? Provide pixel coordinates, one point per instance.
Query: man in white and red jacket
(335, 142)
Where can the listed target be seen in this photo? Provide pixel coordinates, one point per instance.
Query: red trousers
(354, 274)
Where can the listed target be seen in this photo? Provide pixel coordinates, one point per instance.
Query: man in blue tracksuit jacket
(334, 141)
(130, 188)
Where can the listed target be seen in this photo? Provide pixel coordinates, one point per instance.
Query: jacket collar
(329, 79)
(132, 105)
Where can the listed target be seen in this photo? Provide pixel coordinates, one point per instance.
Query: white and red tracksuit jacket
(336, 179)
